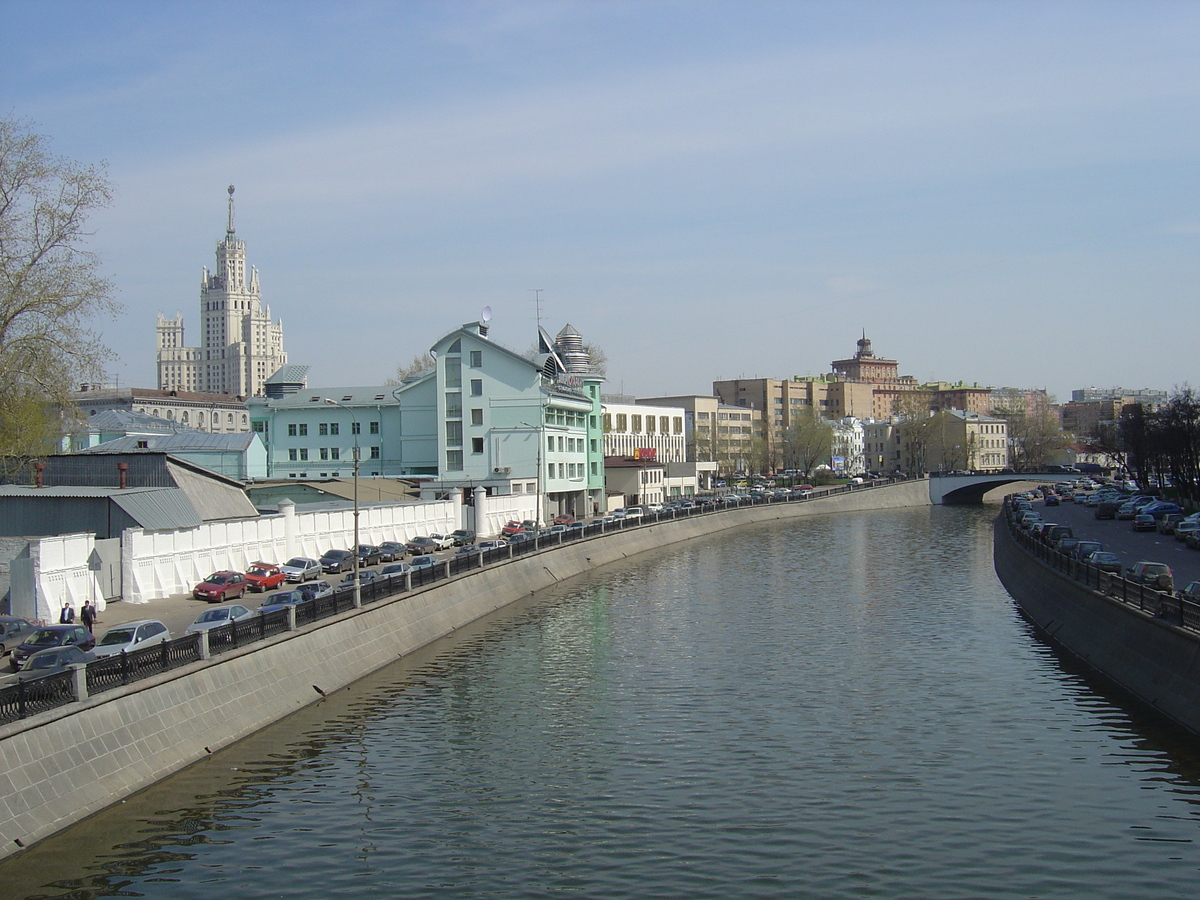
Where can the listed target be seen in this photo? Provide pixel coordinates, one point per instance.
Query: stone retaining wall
(63, 765)
(1152, 659)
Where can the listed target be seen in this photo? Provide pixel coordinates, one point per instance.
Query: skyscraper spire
(229, 230)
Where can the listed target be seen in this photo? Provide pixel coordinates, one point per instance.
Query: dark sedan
(13, 630)
(51, 636)
(369, 555)
(390, 551)
(337, 561)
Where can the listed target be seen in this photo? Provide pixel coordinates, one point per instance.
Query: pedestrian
(67, 616)
(87, 615)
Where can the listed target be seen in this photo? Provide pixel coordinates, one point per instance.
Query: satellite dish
(486, 315)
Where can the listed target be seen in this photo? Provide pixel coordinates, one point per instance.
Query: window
(454, 405)
(333, 428)
(456, 347)
(256, 427)
(649, 424)
(454, 460)
(291, 431)
(594, 471)
(476, 359)
(335, 453)
(608, 421)
(323, 430)
(454, 434)
(324, 453)
(304, 453)
(374, 453)
(677, 425)
(562, 470)
(636, 422)
(621, 422)
(476, 445)
(561, 446)
(593, 443)
(303, 427)
(476, 416)
(664, 424)
(354, 429)
(293, 455)
(453, 373)
(476, 387)
(550, 443)
(374, 428)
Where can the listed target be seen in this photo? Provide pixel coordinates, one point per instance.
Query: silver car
(301, 568)
(218, 616)
(131, 636)
(53, 660)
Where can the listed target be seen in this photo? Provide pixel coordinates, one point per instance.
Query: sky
(1002, 193)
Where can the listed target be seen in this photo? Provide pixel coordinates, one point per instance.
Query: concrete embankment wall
(1152, 659)
(61, 766)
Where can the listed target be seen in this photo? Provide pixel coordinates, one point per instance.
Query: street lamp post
(354, 418)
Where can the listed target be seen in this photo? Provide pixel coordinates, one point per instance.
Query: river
(838, 707)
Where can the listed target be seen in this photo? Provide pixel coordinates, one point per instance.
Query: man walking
(67, 616)
(87, 615)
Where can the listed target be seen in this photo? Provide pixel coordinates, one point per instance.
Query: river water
(840, 707)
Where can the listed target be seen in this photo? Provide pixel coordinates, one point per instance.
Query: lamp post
(354, 418)
(537, 515)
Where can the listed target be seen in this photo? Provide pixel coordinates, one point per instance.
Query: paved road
(1119, 537)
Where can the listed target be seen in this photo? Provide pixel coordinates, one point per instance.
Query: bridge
(960, 490)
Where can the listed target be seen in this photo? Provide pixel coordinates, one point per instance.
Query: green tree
(51, 288)
(1034, 436)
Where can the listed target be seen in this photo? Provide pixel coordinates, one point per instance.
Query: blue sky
(1004, 193)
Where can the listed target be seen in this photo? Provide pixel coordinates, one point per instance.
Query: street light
(354, 418)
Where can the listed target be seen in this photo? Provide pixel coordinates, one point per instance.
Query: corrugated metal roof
(211, 497)
(163, 509)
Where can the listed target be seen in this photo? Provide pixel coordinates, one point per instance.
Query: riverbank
(63, 765)
(1151, 658)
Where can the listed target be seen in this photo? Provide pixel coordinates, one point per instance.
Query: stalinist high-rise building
(241, 348)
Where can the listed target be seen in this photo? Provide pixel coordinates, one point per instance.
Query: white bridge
(958, 490)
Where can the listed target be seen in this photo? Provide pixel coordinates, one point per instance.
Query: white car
(301, 568)
(443, 541)
(131, 636)
(217, 616)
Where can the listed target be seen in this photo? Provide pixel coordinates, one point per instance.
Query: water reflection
(837, 707)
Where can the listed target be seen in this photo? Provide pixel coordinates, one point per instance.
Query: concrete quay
(63, 765)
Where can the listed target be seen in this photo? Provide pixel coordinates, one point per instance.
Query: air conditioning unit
(502, 470)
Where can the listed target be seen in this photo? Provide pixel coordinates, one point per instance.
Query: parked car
(564, 519)
(53, 660)
(634, 512)
(511, 527)
(334, 562)
(390, 551)
(1084, 549)
(263, 576)
(1105, 561)
(1166, 525)
(466, 550)
(50, 636)
(1066, 546)
(282, 600)
(1150, 573)
(1184, 528)
(1144, 522)
(394, 571)
(422, 544)
(462, 537)
(1052, 500)
(497, 544)
(1160, 508)
(1191, 592)
(368, 555)
(301, 569)
(220, 587)
(443, 541)
(423, 562)
(131, 636)
(13, 630)
(315, 590)
(216, 616)
(365, 577)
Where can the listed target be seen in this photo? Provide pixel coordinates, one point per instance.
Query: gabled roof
(130, 422)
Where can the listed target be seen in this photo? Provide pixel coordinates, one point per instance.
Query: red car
(511, 528)
(264, 577)
(221, 586)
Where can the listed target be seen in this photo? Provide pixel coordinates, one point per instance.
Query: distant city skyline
(1002, 193)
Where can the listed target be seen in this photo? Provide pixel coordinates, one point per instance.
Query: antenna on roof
(537, 300)
(230, 228)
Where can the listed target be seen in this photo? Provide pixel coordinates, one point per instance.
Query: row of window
(633, 422)
(300, 454)
(328, 429)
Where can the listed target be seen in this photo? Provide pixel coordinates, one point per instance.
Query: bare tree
(1033, 435)
(807, 442)
(422, 362)
(50, 287)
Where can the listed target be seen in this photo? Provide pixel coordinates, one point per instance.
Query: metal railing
(28, 698)
(1148, 598)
